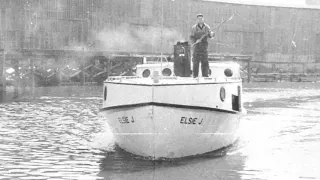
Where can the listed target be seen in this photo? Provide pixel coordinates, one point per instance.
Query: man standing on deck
(199, 38)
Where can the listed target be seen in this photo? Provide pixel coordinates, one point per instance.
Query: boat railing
(203, 78)
(113, 78)
(198, 79)
(226, 79)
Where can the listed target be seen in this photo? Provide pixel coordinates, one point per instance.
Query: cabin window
(105, 93)
(228, 72)
(166, 72)
(146, 73)
(222, 94)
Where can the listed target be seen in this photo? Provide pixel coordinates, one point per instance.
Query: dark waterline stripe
(186, 84)
(169, 105)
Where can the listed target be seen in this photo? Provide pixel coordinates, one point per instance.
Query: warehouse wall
(272, 34)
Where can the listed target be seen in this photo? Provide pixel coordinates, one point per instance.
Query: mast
(161, 38)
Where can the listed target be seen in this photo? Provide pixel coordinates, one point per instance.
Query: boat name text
(190, 120)
(126, 119)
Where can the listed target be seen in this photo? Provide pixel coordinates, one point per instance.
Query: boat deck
(164, 80)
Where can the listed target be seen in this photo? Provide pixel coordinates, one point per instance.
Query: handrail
(222, 79)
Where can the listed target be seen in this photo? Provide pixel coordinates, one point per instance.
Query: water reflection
(67, 138)
(119, 161)
(214, 165)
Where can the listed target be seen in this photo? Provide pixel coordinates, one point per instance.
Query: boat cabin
(182, 66)
(217, 70)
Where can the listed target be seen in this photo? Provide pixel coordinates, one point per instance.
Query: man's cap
(200, 14)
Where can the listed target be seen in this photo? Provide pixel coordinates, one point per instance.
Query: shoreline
(96, 91)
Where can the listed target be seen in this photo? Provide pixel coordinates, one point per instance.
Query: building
(312, 2)
(279, 37)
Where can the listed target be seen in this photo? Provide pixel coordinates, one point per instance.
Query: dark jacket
(197, 32)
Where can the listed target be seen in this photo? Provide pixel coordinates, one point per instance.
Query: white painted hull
(162, 132)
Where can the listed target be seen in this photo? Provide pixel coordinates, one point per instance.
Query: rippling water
(67, 138)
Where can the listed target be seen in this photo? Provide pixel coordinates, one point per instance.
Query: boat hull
(166, 131)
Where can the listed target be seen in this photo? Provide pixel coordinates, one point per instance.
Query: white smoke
(138, 39)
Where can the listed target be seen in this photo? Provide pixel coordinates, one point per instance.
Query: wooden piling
(82, 75)
(59, 69)
(17, 78)
(3, 78)
(249, 70)
(33, 84)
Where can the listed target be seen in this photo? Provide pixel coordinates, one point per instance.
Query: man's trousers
(203, 58)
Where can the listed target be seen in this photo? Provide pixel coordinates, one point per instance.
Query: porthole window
(222, 94)
(166, 72)
(105, 93)
(228, 72)
(146, 73)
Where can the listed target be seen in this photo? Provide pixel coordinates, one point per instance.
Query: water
(67, 138)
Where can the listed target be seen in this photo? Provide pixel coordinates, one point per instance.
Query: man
(199, 38)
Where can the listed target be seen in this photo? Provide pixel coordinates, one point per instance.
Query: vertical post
(161, 38)
(315, 72)
(3, 78)
(82, 75)
(17, 78)
(82, 22)
(32, 77)
(109, 67)
(3, 83)
(84, 62)
(249, 70)
(59, 70)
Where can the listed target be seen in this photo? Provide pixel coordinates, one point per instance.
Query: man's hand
(212, 34)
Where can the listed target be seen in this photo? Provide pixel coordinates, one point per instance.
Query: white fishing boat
(163, 112)
(159, 115)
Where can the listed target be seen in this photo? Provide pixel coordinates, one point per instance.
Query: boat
(159, 115)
